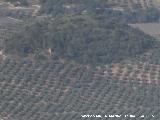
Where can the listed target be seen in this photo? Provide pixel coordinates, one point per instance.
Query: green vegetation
(65, 91)
(57, 7)
(83, 38)
(151, 57)
(99, 7)
(88, 69)
(19, 2)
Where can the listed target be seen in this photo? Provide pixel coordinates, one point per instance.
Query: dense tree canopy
(98, 35)
(99, 7)
(84, 38)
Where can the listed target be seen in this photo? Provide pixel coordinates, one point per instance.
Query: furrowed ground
(63, 90)
(62, 59)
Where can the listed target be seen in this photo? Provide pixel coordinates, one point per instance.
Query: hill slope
(65, 91)
(83, 38)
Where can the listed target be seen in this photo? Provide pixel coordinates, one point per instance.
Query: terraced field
(64, 90)
(143, 73)
(135, 3)
(8, 25)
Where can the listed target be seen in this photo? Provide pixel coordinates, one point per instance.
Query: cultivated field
(62, 90)
(57, 88)
(7, 26)
(135, 3)
(142, 73)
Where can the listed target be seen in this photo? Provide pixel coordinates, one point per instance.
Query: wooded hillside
(84, 38)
